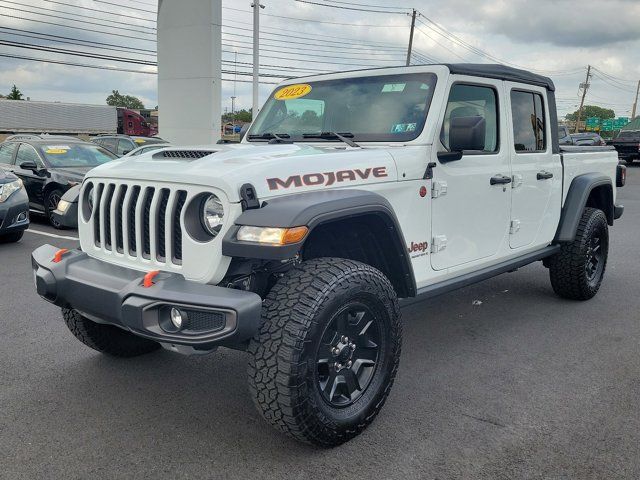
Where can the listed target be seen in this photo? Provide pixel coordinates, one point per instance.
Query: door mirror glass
(467, 133)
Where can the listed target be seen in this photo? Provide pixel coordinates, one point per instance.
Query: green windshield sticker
(393, 87)
(403, 128)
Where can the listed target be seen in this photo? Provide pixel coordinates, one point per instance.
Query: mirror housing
(467, 133)
(29, 165)
(124, 152)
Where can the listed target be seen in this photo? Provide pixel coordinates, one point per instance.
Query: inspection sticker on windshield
(57, 149)
(291, 92)
(403, 128)
(393, 87)
(139, 140)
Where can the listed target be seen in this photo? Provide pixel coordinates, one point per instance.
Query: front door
(537, 172)
(470, 211)
(33, 182)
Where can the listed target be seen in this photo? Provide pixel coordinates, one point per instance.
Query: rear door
(470, 215)
(537, 172)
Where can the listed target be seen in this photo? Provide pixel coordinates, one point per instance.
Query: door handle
(500, 180)
(544, 175)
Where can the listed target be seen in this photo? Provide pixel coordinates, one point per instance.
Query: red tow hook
(148, 278)
(57, 258)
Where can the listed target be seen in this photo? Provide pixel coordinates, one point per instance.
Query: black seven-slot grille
(144, 221)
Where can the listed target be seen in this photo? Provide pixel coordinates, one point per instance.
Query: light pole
(256, 57)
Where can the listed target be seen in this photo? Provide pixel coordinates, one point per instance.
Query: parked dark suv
(14, 208)
(49, 167)
(123, 144)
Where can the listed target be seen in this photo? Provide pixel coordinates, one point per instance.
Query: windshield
(76, 155)
(631, 134)
(384, 108)
(147, 140)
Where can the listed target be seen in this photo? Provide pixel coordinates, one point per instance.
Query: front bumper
(14, 213)
(68, 219)
(115, 295)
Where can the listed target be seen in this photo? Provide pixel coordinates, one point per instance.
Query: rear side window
(473, 101)
(529, 129)
(6, 153)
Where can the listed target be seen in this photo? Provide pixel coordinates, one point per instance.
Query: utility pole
(635, 103)
(413, 26)
(585, 86)
(256, 57)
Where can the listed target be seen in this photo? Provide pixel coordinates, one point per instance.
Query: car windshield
(76, 155)
(140, 141)
(632, 134)
(376, 108)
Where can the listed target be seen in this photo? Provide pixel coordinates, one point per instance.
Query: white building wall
(189, 70)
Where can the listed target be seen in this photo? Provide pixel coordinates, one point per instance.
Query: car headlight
(212, 215)
(63, 206)
(271, 235)
(6, 189)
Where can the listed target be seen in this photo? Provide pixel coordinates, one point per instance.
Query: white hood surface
(269, 168)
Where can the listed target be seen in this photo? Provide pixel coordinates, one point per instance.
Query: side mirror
(29, 165)
(243, 130)
(124, 152)
(467, 133)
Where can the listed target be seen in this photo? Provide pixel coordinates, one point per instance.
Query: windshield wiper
(343, 137)
(272, 137)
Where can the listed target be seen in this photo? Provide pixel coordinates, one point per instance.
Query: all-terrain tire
(284, 366)
(107, 339)
(11, 237)
(572, 272)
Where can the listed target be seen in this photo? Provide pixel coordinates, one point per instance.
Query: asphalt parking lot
(521, 385)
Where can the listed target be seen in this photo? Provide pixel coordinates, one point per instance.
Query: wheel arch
(365, 222)
(587, 190)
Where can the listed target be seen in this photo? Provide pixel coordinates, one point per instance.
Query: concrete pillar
(189, 70)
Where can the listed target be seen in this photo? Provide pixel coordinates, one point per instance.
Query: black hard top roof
(486, 70)
(501, 72)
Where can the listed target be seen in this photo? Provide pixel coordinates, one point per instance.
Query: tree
(591, 111)
(116, 99)
(15, 94)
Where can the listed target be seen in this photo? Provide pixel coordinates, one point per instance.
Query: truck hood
(272, 169)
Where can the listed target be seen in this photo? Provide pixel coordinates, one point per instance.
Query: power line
(316, 55)
(77, 28)
(349, 8)
(125, 6)
(298, 19)
(367, 5)
(48, 15)
(81, 7)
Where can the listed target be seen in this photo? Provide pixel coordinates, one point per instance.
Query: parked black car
(49, 167)
(123, 144)
(627, 143)
(14, 208)
(587, 139)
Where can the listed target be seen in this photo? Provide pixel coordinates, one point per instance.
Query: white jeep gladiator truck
(349, 192)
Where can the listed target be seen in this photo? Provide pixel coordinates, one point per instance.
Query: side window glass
(124, 146)
(110, 144)
(529, 128)
(26, 153)
(6, 153)
(472, 104)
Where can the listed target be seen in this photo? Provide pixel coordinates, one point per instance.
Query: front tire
(577, 271)
(326, 355)
(50, 204)
(107, 339)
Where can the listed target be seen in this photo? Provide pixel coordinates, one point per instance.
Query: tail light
(621, 176)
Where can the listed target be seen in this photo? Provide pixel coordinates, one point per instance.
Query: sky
(557, 38)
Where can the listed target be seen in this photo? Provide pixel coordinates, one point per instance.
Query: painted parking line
(52, 235)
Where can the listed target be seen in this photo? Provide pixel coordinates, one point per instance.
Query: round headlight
(212, 215)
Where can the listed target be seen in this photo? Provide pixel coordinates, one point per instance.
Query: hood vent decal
(191, 154)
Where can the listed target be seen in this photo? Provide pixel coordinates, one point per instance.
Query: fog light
(178, 318)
